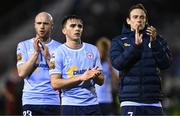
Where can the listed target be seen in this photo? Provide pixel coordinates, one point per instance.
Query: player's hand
(96, 71)
(152, 32)
(138, 36)
(36, 44)
(98, 77)
(45, 51)
(86, 75)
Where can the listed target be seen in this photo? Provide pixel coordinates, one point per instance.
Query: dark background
(101, 18)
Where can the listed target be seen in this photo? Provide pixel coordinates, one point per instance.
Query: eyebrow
(39, 22)
(79, 25)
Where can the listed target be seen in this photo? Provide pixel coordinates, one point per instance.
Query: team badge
(90, 55)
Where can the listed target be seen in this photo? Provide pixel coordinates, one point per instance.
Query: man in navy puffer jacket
(139, 54)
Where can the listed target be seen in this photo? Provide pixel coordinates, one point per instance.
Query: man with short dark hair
(76, 68)
(139, 54)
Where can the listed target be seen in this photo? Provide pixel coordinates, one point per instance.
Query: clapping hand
(151, 31)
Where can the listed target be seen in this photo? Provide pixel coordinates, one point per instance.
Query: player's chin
(42, 35)
(77, 37)
(141, 27)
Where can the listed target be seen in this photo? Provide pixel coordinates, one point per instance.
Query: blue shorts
(80, 110)
(141, 111)
(30, 110)
(106, 108)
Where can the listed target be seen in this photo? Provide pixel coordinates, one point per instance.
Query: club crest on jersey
(90, 55)
(19, 57)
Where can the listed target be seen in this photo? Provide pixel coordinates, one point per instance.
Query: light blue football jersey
(70, 62)
(37, 88)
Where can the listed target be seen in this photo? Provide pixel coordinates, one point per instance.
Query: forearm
(125, 59)
(161, 53)
(25, 69)
(58, 83)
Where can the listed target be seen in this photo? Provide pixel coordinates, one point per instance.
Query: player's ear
(52, 25)
(128, 21)
(64, 31)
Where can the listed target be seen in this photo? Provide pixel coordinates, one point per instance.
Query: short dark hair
(69, 17)
(138, 6)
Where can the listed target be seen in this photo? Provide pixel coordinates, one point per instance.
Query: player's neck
(46, 40)
(74, 44)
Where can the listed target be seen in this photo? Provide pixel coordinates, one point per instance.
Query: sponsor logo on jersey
(74, 70)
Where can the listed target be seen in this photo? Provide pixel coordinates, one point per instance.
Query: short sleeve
(55, 63)
(21, 54)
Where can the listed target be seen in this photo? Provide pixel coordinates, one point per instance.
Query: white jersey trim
(130, 103)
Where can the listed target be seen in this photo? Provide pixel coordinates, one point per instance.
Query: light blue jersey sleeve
(56, 60)
(21, 53)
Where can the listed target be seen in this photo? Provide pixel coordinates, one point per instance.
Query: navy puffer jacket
(139, 66)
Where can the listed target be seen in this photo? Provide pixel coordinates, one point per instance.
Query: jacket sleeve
(161, 53)
(123, 58)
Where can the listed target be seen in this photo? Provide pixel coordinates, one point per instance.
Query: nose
(42, 26)
(77, 28)
(139, 21)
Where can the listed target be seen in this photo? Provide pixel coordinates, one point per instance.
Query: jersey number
(130, 113)
(27, 113)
